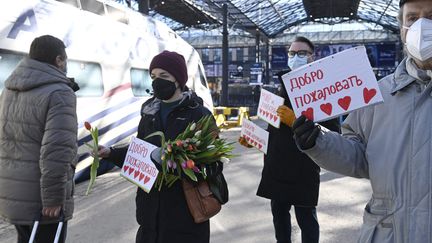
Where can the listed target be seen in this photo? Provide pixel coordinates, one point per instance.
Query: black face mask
(163, 89)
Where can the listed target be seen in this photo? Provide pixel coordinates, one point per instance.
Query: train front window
(8, 62)
(88, 76)
(141, 82)
(202, 77)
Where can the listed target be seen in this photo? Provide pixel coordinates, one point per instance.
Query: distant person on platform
(389, 143)
(289, 177)
(38, 134)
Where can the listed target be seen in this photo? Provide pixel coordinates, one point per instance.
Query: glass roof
(273, 17)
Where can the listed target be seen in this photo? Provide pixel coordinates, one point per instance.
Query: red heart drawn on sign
(255, 143)
(368, 94)
(146, 179)
(266, 113)
(271, 116)
(259, 146)
(141, 176)
(275, 118)
(344, 102)
(131, 170)
(125, 168)
(262, 111)
(247, 138)
(308, 113)
(136, 173)
(326, 108)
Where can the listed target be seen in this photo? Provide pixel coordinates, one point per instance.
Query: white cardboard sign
(255, 135)
(267, 107)
(333, 86)
(138, 167)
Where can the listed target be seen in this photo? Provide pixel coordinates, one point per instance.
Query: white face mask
(419, 39)
(296, 62)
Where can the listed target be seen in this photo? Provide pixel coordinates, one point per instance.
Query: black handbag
(217, 183)
(219, 187)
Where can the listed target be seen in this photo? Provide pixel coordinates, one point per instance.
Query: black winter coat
(289, 175)
(164, 215)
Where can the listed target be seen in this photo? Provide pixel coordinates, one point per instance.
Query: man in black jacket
(290, 177)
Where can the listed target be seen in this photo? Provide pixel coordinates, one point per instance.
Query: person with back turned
(38, 134)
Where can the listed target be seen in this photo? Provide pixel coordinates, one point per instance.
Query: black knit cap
(402, 2)
(46, 48)
(173, 63)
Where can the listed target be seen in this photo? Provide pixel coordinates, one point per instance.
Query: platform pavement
(108, 214)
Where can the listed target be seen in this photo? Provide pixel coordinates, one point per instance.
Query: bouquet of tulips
(188, 154)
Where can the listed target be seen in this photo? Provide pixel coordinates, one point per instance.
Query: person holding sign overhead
(289, 177)
(389, 143)
(163, 215)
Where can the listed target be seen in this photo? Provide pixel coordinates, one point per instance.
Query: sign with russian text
(267, 107)
(333, 86)
(255, 135)
(138, 167)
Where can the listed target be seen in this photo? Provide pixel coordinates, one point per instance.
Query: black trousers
(306, 219)
(45, 233)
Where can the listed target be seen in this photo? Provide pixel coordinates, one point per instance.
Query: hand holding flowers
(191, 152)
(95, 148)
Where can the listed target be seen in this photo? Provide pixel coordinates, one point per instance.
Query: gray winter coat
(38, 142)
(391, 144)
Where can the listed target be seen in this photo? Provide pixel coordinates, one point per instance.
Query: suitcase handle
(36, 225)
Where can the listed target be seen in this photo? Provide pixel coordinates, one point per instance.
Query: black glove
(305, 132)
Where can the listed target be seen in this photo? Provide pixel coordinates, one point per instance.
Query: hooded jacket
(391, 145)
(38, 142)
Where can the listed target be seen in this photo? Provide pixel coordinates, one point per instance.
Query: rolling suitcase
(58, 232)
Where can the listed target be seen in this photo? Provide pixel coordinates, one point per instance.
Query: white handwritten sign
(255, 135)
(333, 86)
(267, 107)
(138, 167)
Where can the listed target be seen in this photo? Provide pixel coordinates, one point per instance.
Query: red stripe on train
(117, 89)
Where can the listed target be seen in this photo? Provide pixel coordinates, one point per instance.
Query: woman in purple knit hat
(163, 215)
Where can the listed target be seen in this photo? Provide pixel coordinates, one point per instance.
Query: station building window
(141, 82)
(240, 54)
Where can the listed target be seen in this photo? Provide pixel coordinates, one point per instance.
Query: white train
(109, 48)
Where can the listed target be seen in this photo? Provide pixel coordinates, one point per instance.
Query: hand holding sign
(268, 104)
(255, 135)
(286, 115)
(305, 132)
(138, 167)
(333, 86)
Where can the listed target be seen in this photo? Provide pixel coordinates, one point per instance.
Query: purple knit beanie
(173, 63)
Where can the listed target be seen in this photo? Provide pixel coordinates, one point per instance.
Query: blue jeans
(306, 219)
